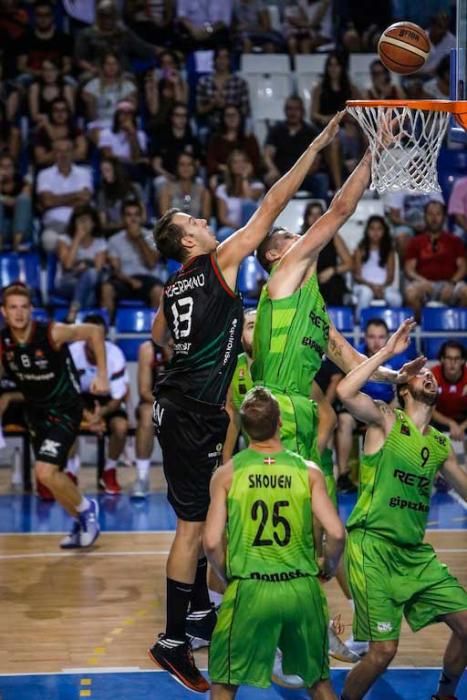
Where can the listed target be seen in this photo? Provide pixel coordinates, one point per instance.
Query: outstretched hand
(329, 132)
(410, 369)
(399, 341)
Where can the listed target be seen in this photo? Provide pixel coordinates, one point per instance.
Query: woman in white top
(374, 266)
(82, 254)
(125, 141)
(101, 95)
(239, 189)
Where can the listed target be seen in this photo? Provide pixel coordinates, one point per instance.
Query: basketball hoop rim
(451, 106)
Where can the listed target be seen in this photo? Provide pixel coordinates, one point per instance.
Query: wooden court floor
(63, 610)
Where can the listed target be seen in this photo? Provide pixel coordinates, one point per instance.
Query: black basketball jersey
(205, 318)
(43, 373)
(158, 362)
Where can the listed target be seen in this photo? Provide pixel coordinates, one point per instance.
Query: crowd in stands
(107, 121)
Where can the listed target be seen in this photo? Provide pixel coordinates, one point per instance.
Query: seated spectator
(164, 89)
(42, 43)
(109, 34)
(15, 207)
(49, 87)
(442, 41)
(10, 135)
(362, 22)
(231, 136)
(376, 336)
(435, 264)
(406, 213)
(109, 413)
(82, 253)
(102, 94)
(374, 266)
(58, 126)
(382, 88)
(438, 88)
(252, 25)
(185, 192)
(457, 206)
(202, 25)
(136, 272)
(307, 25)
(450, 413)
(329, 97)
(240, 188)
(59, 189)
(222, 87)
(14, 23)
(333, 262)
(151, 362)
(114, 189)
(125, 141)
(285, 143)
(170, 142)
(152, 21)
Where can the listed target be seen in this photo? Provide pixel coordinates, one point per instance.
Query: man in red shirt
(451, 375)
(435, 264)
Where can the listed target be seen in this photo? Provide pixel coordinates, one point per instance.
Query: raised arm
(233, 430)
(360, 405)
(160, 330)
(245, 241)
(296, 262)
(455, 475)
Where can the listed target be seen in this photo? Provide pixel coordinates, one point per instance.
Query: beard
(248, 348)
(426, 397)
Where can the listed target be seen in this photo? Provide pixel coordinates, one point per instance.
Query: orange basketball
(404, 47)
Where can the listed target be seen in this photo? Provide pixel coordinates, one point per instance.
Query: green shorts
(299, 431)
(388, 582)
(255, 618)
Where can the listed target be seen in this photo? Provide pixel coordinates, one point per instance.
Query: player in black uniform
(35, 356)
(202, 313)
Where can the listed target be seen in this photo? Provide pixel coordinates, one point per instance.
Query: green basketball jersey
(269, 526)
(396, 481)
(291, 336)
(241, 381)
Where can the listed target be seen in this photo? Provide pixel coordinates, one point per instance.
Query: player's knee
(191, 532)
(382, 653)
(45, 472)
(119, 428)
(145, 415)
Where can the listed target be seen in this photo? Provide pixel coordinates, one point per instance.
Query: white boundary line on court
(136, 669)
(458, 499)
(172, 532)
(150, 552)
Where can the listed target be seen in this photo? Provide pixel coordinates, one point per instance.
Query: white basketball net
(404, 144)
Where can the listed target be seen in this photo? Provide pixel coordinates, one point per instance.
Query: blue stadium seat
(130, 347)
(134, 320)
(250, 276)
(60, 314)
(444, 318)
(39, 314)
(432, 346)
(54, 298)
(342, 318)
(393, 317)
(452, 164)
(21, 267)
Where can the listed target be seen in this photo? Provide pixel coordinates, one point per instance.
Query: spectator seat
(278, 63)
(393, 317)
(342, 318)
(133, 326)
(250, 279)
(21, 267)
(438, 323)
(359, 69)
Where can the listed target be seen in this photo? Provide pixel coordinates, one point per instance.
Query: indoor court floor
(78, 625)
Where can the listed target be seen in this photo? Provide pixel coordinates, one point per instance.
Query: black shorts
(191, 444)
(90, 401)
(14, 415)
(125, 291)
(53, 431)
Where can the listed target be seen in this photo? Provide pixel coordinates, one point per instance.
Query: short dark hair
(400, 398)
(377, 322)
(85, 210)
(453, 345)
(132, 202)
(266, 245)
(260, 414)
(434, 201)
(168, 236)
(96, 320)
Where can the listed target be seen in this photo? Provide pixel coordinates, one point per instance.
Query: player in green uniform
(261, 499)
(391, 572)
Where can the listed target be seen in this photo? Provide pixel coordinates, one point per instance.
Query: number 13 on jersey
(182, 311)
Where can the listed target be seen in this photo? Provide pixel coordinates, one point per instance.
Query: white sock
(216, 597)
(73, 465)
(142, 468)
(84, 504)
(110, 464)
